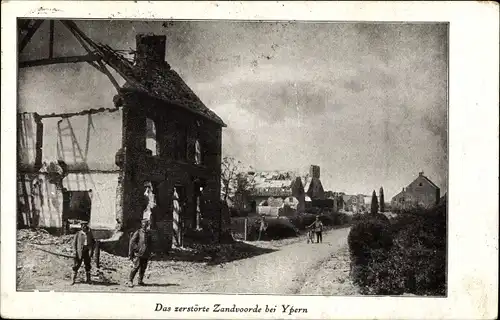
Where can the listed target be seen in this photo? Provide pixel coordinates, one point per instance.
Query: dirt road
(295, 268)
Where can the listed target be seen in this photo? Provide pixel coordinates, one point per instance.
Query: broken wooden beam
(29, 35)
(80, 113)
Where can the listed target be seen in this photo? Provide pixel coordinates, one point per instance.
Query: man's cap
(148, 184)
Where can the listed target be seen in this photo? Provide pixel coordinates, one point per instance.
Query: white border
(473, 176)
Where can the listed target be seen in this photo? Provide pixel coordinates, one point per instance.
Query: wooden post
(246, 228)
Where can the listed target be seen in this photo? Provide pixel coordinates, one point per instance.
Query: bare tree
(236, 182)
(230, 168)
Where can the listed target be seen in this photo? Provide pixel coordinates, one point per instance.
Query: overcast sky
(366, 102)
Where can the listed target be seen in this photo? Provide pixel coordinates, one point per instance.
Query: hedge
(277, 228)
(415, 262)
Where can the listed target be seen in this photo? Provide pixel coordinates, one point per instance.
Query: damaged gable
(150, 74)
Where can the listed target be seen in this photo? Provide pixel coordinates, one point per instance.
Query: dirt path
(294, 268)
(298, 268)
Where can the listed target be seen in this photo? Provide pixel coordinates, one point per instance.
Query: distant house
(421, 192)
(354, 203)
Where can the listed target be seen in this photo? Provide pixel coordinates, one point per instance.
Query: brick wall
(176, 130)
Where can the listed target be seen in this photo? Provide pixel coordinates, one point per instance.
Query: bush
(416, 270)
(369, 216)
(340, 219)
(415, 263)
(302, 221)
(358, 217)
(380, 216)
(277, 228)
(328, 220)
(367, 236)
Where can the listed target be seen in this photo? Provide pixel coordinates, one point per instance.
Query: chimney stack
(150, 48)
(421, 173)
(314, 171)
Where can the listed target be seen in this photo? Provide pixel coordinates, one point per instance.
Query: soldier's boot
(87, 274)
(131, 279)
(141, 277)
(74, 278)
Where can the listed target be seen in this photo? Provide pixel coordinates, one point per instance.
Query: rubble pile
(45, 261)
(42, 237)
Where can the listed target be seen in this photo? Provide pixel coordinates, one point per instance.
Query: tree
(382, 200)
(229, 171)
(235, 180)
(374, 208)
(244, 184)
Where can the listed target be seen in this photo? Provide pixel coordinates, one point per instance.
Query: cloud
(365, 101)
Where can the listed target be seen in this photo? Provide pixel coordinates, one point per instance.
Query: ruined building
(164, 153)
(276, 190)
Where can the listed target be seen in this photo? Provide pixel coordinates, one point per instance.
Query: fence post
(246, 228)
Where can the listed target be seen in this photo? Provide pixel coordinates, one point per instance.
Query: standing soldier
(84, 250)
(140, 252)
(262, 227)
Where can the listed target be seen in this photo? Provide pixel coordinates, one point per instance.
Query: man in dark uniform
(84, 250)
(140, 252)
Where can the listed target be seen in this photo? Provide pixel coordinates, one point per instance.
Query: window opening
(151, 139)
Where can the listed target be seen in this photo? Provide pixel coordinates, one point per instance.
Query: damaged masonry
(165, 156)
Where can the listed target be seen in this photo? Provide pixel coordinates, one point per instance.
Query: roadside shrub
(366, 237)
(341, 218)
(380, 216)
(369, 216)
(328, 220)
(415, 263)
(358, 217)
(277, 228)
(307, 220)
(302, 221)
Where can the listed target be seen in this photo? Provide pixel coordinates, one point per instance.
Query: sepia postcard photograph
(298, 158)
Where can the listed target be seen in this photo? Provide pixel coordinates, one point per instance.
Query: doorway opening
(77, 205)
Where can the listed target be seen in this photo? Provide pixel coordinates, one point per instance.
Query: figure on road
(140, 252)
(262, 227)
(317, 226)
(84, 250)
